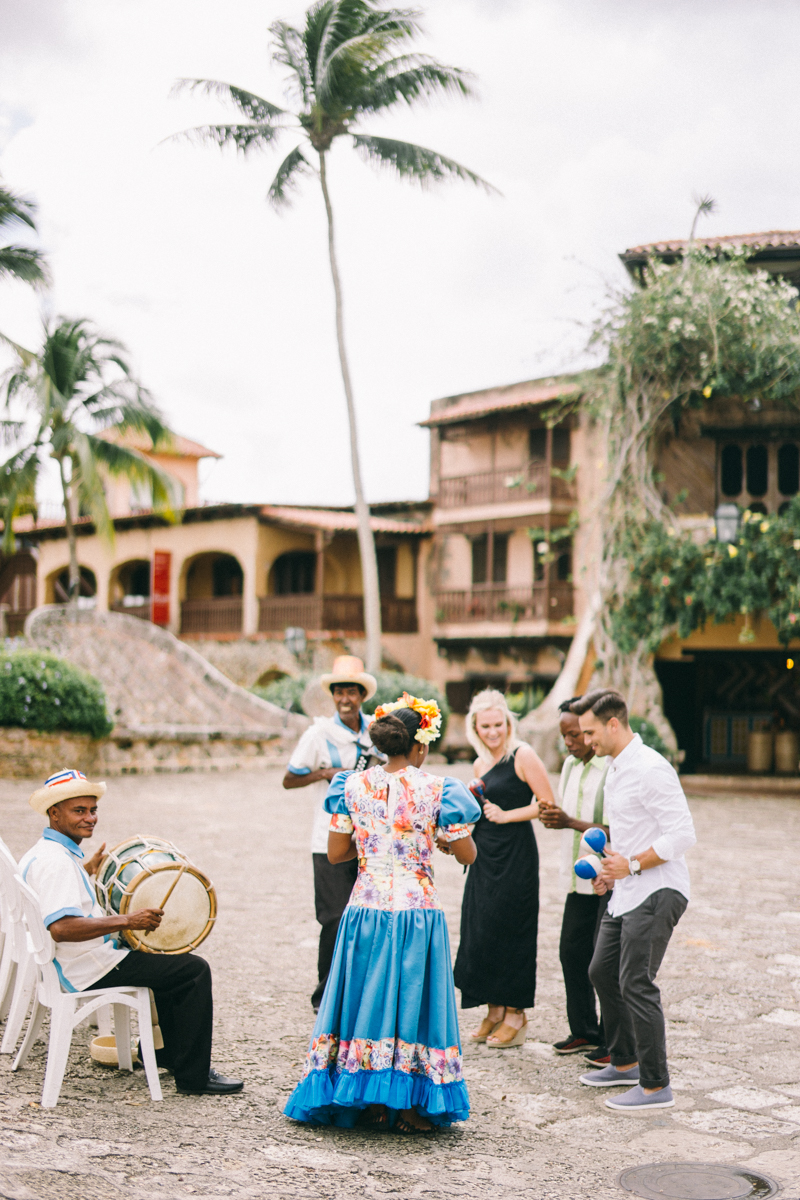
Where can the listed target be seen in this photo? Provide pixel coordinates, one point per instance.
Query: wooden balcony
(496, 602)
(276, 613)
(529, 481)
(133, 610)
(223, 614)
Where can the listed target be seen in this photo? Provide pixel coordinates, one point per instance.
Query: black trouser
(629, 951)
(181, 985)
(579, 927)
(333, 883)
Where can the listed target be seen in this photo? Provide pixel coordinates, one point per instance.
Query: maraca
(595, 839)
(588, 867)
(478, 789)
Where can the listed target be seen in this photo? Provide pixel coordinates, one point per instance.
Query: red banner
(159, 592)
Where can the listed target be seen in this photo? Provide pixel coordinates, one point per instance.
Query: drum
(144, 871)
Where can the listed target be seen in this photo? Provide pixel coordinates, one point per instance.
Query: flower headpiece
(431, 724)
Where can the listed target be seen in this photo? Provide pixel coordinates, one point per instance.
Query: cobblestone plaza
(731, 985)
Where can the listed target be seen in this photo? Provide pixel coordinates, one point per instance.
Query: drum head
(188, 916)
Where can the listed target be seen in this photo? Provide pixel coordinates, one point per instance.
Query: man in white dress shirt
(330, 745)
(651, 829)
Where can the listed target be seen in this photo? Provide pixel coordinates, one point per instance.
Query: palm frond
(358, 37)
(243, 137)
(18, 476)
(87, 483)
(290, 51)
(255, 108)
(287, 179)
(414, 162)
(26, 357)
(16, 210)
(410, 78)
(24, 263)
(134, 465)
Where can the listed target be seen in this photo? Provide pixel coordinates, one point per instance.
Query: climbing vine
(678, 586)
(704, 328)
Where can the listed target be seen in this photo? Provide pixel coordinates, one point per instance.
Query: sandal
(506, 1036)
(486, 1027)
(403, 1125)
(376, 1118)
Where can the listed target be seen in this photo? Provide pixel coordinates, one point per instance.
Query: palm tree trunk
(74, 569)
(366, 541)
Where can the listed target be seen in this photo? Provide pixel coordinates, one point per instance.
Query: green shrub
(392, 684)
(650, 735)
(40, 691)
(288, 693)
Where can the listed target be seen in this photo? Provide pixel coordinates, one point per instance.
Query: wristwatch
(634, 866)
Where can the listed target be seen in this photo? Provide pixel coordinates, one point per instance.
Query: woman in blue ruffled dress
(386, 1041)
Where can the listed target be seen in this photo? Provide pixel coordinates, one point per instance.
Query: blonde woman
(496, 962)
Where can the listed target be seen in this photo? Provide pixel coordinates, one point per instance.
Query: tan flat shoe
(486, 1027)
(505, 1036)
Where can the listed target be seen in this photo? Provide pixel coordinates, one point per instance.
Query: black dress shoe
(217, 1085)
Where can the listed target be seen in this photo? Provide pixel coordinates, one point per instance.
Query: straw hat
(64, 785)
(349, 669)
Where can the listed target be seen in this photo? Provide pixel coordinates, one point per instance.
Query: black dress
(496, 960)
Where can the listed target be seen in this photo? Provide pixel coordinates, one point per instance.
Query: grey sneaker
(610, 1077)
(637, 1099)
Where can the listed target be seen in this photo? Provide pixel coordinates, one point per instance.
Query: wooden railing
(500, 487)
(542, 602)
(223, 614)
(133, 610)
(276, 613)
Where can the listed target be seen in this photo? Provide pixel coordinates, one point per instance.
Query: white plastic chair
(9, 906)
(17, 970)
(70, 1009)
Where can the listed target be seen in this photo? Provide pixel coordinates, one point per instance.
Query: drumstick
(173, 885)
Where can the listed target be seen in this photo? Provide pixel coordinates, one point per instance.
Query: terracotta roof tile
(334, 520)
(471, 405)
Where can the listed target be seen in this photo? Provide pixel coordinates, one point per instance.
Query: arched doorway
(129, 588)
(213, 588)
(58, 587)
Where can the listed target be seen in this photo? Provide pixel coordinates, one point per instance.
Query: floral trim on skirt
(387, 1029)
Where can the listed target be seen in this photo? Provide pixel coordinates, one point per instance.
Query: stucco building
(484, 582)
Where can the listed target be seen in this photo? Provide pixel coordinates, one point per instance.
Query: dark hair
(605, 703)
(566, 705)
(394, 734)
(346, 683)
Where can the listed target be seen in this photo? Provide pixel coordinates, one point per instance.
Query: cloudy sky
(597, 120)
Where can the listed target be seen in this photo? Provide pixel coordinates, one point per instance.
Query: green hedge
(43, 692)
(288, 692)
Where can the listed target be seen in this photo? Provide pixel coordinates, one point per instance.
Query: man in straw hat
(332, 744)
(86, 955)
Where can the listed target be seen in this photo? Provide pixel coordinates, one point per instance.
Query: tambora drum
(143, 872)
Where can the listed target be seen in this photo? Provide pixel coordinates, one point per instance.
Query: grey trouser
(629, 951)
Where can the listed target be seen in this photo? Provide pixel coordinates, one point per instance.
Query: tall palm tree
(74, 400)
(343, 66)
(20, 262)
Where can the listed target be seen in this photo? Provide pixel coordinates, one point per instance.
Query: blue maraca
(588, 867)
(595, 839)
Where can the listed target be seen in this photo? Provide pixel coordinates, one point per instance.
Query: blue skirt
(387, 1028)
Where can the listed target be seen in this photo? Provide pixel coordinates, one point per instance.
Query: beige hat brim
(46, 797)
(368, 682)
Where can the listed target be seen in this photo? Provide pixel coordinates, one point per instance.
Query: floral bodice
(396, 819)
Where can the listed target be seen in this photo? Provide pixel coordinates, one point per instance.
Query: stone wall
(27, 754)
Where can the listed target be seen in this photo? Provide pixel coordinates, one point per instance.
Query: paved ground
(731, 982)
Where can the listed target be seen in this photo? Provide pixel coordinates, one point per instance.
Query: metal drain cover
(696, 1181)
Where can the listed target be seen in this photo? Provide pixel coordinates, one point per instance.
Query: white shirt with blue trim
(330, 743)
(53, 868)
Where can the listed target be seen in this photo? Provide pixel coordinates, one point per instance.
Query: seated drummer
(87, 957)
